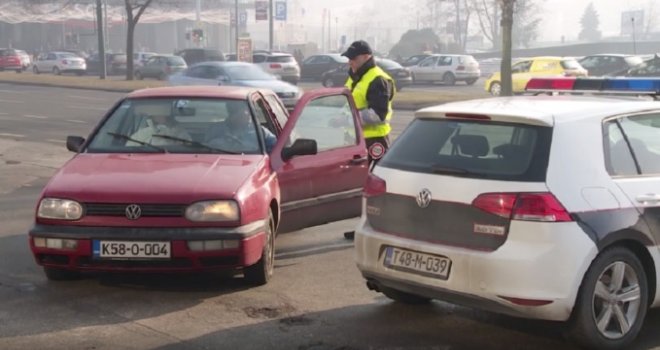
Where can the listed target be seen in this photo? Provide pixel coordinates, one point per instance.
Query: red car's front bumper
(182, 259)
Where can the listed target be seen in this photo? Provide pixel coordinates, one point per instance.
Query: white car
(58, 63)
(282, 65)
(447, 69)
(544, 207)
(140, 58)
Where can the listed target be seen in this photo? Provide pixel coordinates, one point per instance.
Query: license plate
(436, 266)
(131, 250)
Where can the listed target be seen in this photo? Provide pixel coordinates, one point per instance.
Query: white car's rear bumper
(539, 263)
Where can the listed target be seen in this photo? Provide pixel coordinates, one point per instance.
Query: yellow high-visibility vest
(360, 96)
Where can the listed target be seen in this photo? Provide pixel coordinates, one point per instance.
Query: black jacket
(380, 91)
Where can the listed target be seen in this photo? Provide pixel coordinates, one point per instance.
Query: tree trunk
(507, 26)
(129, 49)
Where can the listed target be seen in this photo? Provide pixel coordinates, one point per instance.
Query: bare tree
(507, 27)
(488, 14)
(134, 10)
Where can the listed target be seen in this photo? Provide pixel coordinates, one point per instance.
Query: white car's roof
(542, 110)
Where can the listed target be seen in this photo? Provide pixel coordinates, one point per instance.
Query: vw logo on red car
(133, 212)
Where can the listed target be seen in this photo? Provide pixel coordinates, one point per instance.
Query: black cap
(357, 48)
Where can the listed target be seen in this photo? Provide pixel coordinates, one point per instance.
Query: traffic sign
(261, 10)
(280, 10)
(242, 18)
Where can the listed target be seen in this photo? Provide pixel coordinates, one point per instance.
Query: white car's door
(632, 153)
(424, 71)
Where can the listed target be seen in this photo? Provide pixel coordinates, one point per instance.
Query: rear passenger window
(641, 141)
(475, 149)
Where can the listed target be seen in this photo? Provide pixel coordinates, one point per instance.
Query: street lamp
(632, 21)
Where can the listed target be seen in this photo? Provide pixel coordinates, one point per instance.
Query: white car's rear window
(471, 148)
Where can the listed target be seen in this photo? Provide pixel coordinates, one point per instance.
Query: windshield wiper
(441, 169)
(194, 143)
(128, 138)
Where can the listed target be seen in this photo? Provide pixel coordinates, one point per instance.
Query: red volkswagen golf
(199, 179)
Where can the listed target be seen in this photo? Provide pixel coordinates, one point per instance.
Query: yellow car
(525, 69)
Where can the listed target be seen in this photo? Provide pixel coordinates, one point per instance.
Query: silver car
(60, 62)
(282, 65)
(237, 74)
(447, 69)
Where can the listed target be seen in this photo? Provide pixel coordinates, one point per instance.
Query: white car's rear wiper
(194, 143)
(442, 169)
(128, 138)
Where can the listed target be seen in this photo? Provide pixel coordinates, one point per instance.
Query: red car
(183, 179)
(10, 59)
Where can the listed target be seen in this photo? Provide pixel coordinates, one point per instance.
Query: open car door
(321, 161)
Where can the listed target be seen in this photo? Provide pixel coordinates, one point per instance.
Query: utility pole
(198, 19)
(99, 30)
(236, 28)
(632, 19)
(271, 24)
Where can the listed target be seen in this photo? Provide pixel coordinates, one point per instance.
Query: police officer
(373, 90)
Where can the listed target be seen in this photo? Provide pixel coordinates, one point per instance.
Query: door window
(429, 62)
(636, 143)
(280, 114)
(521, 67)
(445, 61)
(329, 121)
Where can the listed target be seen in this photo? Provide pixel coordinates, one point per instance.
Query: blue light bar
(640, 86)
(651, 85)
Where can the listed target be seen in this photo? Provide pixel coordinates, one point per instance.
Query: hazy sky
(559, 17)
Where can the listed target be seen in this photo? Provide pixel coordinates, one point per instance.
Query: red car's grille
(147, 210)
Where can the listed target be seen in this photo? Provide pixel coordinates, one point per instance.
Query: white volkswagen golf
(542, 207)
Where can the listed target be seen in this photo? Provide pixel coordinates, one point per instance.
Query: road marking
(3, 113)
(90, 108)
(11, 101)
(11, 135)
(56, 141)
(86, 98)
(32, 116)
(76, 121)
(13, 91)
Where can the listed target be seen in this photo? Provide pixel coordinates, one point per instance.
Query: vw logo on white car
(133, 212)
(424, 198)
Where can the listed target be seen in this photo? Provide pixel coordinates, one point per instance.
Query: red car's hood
(152, 178)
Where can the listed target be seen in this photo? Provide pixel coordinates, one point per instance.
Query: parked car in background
(401, 75)
(140, 58)
(414, 60)
(192, 56)
(536, 67)
(279, 64)
(115, 63)
(447, 69)
(10, 59)
(314, 66)
(160, 67)
(648, 68)
(59, 63)
(237, 74)
(26, 60)
(608, 64)
(211, 196)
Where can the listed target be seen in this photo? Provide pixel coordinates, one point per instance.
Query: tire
(589, 307)
(54, 274)
(404, 297)
(35, 70)
(448, 79)
(328, 82)
(495, 88)
(414, 81)
(471, 81)
(56, 71)
(139, 75)
(261, 272)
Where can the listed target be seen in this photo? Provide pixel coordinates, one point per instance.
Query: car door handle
(646, 198)
(359, 160)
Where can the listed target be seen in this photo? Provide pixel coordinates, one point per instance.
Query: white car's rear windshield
(475, 149)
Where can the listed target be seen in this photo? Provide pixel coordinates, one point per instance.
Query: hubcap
(616, 300)
(496, 89)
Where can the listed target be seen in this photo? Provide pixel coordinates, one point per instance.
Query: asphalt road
(317, 299)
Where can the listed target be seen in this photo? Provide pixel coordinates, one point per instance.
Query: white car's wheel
(612, 301)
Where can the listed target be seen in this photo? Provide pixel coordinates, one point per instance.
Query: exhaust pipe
(371, 285)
